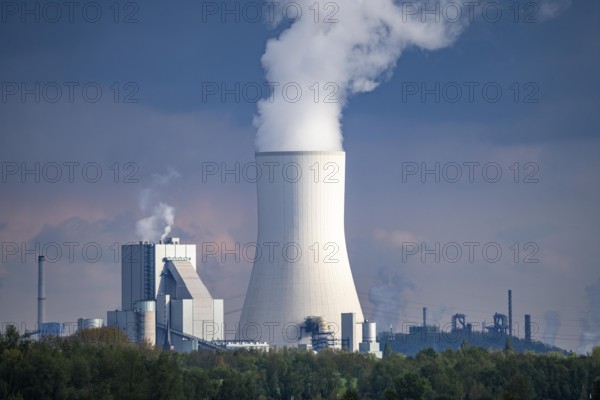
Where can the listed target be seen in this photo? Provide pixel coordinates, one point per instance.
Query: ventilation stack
(510, 324)
(527, 327)
(41, 293)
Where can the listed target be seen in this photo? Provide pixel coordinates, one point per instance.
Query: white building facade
(164, 301)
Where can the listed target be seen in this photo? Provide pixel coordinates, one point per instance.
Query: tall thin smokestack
(41, 293)
(527, 328)
(424, 317)
(510, 326)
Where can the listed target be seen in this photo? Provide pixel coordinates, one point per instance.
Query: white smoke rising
(590, 333)
(552, 319)
(340, 59)
(387, 298)
(151, 227)
(160, 223)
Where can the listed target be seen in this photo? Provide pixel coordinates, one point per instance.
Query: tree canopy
(101, 364)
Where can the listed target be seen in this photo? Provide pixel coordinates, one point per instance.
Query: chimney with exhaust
(41, 293)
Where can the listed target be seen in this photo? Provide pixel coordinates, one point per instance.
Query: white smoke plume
(349, 47)
(590, 323)
(552, 319)
(387, 298)
(160, 223)
(161, 220)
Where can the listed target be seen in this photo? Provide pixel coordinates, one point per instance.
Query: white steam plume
(553, 324)
(387, 297)
(158, 224)
(340, 59)
(590, 334)
(151, 227)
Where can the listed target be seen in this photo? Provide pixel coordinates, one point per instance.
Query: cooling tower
(301, 266)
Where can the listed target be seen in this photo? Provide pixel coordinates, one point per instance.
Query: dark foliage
(101, 364)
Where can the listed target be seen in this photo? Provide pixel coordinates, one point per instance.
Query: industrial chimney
(527, 327)
(41, 293)
(301, 267)
(510, 325)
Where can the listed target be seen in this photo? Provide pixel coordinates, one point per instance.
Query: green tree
(42, 373)
(197, 384)
(165, 378)
(387, 350)
(102, 336)
(9, 339)
(519, 387)
(596, 387)
(351, 394)
(412, 386)
(390, 394)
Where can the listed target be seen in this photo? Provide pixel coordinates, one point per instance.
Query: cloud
(82, 270)
(388, 298)
(549, 9)
(167, 177)
(396, 238)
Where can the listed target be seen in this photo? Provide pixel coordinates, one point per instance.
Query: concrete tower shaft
(301, 268)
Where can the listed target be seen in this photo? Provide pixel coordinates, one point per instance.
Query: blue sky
(162, 62)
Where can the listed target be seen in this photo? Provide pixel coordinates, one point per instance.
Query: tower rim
(291, 153)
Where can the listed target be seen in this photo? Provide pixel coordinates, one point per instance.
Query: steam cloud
(590, 334)
(350, 50)
(552, 319)
(160, 223)
(387, 298)
(150, 227)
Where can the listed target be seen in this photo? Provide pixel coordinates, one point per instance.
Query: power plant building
(164, 301)
(351, 334)
(369, 343)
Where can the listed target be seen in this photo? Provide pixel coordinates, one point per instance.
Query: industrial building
(300, 208)
(350, 332)
(305, 298)
(89, 323)
(369, 340)
(163, 300)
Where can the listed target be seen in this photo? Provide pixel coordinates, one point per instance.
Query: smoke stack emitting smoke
(344, 53)
(150, 227)
(158, 224)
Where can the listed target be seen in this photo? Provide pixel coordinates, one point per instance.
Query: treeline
(101, 364)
